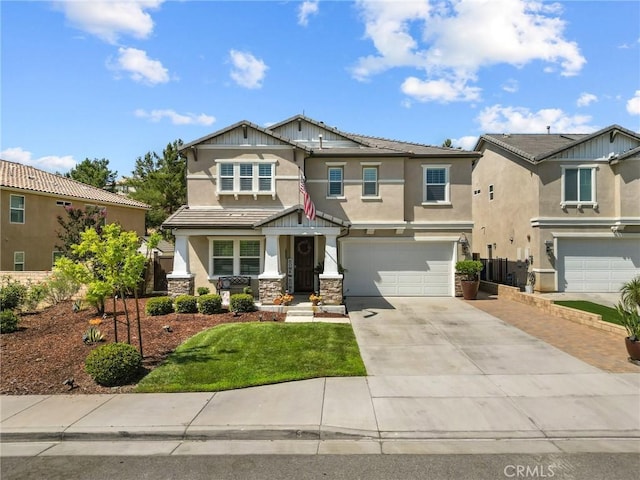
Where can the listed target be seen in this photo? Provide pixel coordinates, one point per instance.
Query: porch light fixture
(464, 243)
(549, 246)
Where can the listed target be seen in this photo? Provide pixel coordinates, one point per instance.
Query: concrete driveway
(441, 367)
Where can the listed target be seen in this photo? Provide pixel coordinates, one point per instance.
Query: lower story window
(236, 257)
(18, 261)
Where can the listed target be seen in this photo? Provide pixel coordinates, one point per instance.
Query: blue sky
(112, 79)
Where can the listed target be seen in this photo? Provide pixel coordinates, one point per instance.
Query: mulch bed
(48, 348)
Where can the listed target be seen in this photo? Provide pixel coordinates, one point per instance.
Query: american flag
(309, 207)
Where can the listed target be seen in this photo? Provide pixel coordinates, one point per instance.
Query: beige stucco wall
(627, 187)
(37, 236)
(506, 220)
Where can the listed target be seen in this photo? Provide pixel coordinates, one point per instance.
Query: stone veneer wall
(270, 288)
(331, 291)
(458, 285)
(180, 286)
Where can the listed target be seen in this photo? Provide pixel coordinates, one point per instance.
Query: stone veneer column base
(269, 289)
(180, 285)
(331, 290)
(458, 291)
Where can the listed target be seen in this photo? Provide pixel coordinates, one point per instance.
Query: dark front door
(303, 264)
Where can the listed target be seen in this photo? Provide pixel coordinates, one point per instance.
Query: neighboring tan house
(391, 217)
(568, 202)
(31, 200)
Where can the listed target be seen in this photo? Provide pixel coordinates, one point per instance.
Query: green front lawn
(248, 354)
(608, 314)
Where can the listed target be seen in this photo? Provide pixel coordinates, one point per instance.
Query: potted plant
(628, 309)
(531, 281)
(469, 279)
(315, 298)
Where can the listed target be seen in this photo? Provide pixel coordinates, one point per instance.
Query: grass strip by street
(608, 314)
(251, 354)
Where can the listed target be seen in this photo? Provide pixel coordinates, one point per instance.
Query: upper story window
(579, 186)
(16, 208)
(370, 181)
(436, 184)
(63, 203)
(235, 257)
(336, 182)
(245, 178)
(490, 192)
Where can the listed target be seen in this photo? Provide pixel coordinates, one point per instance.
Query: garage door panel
(597, 264)
(397, 268)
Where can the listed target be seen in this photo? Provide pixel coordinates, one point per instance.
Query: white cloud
(248, 71)
(505, 119)
(175, 117)
(108, 19)
(510, 86)
(307, 8)
(586, 99)
(454, 40)
(633, 105)
(439, 90)
(466, 142)
(140, 67)
(51, 163)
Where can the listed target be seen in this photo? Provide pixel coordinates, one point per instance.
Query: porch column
(270, 280)
(331, 279)
(180, 281)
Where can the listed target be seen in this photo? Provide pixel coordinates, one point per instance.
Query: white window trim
(63, 203)
(15, 261)
(377, 194)
(579, 204)
(23, 209)
(236, 255)
(255, 188)
(447, 190)
(340, 166)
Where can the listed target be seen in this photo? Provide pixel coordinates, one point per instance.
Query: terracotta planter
(633, 348)
(470, 289)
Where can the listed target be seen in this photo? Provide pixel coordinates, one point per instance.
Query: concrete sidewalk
(444, 377)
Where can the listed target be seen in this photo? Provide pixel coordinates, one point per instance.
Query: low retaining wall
(26, 277)
(548, 306)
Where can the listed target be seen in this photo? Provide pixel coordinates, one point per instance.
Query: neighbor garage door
(597, 264)
(397, 268)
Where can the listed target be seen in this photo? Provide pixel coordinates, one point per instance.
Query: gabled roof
(241, 124)
(364, 145)
(536, 147)
(24, 177)
(296, 208)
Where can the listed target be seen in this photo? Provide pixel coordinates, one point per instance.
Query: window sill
(245, 194)
(435, 204)
(371, 198)
(336, 198)
(579, 205)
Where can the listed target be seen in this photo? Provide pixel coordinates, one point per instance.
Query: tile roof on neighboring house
(24, 177)
(536, 147)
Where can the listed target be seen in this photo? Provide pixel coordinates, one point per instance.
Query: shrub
(203, 291)
(186, 304)
(159, 306)
(247, 290)
(210, 304)
(92, 335)
(241, 302)
(113, 364)
(36, 294)
(8, 321)
(469, 269)
(12, 294)
(59, 287)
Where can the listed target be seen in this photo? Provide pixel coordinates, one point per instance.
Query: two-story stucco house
(568, 202)
(391, 217)
(31, 200)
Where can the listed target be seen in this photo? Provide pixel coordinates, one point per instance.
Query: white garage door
(400, 269)
(597, 264)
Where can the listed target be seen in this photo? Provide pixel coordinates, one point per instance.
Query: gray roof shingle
(25, 177)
